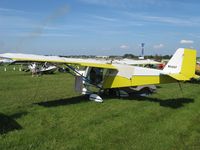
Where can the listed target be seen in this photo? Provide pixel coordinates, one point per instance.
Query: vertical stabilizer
(182, 64)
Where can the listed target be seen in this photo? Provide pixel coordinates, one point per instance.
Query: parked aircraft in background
(44, 68)
(5, 61)
(198, 68)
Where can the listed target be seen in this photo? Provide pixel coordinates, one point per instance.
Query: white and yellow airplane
(110, 74)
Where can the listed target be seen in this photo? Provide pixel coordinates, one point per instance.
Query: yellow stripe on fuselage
(118, 81)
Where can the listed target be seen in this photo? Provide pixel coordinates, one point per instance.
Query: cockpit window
(96, 75)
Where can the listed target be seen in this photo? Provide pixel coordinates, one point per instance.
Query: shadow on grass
(7, 123)
(61, 102)
(172, 103)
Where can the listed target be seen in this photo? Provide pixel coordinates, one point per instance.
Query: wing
(17, 57)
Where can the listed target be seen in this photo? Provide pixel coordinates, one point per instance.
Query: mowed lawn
(45, 113)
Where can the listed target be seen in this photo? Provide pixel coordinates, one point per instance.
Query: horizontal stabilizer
(179, 77)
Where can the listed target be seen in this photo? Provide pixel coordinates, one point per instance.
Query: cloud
(158, 46)
(177, 21)
(103, 2)
(56, 35)
(124, 46)
(186, 42)
(11, 10)
(124, 3)
(105, 18)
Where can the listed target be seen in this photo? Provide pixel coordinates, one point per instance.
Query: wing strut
(84, 78)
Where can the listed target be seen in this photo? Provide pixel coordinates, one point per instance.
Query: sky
(98, 27)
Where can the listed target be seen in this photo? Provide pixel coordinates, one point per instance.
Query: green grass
(45, 113)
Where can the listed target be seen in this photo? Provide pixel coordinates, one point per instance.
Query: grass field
(45, 113)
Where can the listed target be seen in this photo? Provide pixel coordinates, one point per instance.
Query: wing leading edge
(57, 59)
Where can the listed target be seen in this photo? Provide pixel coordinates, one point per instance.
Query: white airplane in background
(41, 69)
(136, 62)
(5, 61)
(100, 75)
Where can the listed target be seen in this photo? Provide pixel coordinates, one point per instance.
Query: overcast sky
(98, 27)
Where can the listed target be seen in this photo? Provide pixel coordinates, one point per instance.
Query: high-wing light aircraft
(5, 61)
(108, 74)
(136, 62)
(44, 69)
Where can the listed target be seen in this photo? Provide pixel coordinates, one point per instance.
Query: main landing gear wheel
(96, 98)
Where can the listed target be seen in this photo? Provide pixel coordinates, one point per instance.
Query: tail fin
(182, 64)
